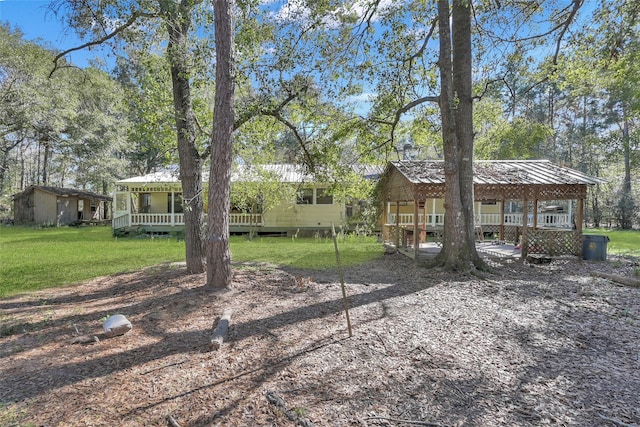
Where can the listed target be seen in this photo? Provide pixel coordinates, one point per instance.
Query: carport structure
(530, 185)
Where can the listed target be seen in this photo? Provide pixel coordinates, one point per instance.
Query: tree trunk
(627, 204)
(458, 246)
(178, 24)
(45, 162)
(218, 252)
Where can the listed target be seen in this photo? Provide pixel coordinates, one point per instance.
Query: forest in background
(577, 106)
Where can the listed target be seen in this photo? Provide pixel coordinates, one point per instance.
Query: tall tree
(456, 109)
(219, 255)
(179, 26)
(175, 17)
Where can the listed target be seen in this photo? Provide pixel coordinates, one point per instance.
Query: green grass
(315, 254)
(621, 242)
(32, 259)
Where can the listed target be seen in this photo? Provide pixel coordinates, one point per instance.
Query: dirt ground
(530, 345)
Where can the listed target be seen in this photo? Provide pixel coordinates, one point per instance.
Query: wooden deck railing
(559, 220)
(167, 219)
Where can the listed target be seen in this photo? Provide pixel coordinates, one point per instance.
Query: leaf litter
(529, 345)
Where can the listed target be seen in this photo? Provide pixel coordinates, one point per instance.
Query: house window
(305, 196)
(177, 203)
(323, 197)
(145, 203)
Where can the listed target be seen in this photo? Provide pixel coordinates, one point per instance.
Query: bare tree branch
(420, 51)
(132, 19)
(565, 26)
(294, 129)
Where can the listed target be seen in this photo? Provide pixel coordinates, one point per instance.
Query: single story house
(534, 203)
(269, 199)
(43, 205)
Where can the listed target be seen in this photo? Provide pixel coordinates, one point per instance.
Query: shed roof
(65, 192)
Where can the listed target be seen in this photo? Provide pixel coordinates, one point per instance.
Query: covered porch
(158, 208)
(534, 205)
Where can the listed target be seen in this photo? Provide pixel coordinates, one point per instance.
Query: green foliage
(65, 127)
(518, 139)
(43, 258)
(152, 136)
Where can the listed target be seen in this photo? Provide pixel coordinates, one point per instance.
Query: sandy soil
(530, 345)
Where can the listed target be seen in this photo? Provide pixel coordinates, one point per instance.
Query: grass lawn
(33, 258)
(621, 242)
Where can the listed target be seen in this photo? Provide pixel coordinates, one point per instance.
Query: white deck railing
(407, 219)
(559, 220)
(167, 219)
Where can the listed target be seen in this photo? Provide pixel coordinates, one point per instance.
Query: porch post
(571, 213)
(535, 213)
(173, 202)
(416, 224)
(424, 221)
(397, 224)
(433, 212)
(501, 232)
(385, 213)
(525, 224)
(580, 215)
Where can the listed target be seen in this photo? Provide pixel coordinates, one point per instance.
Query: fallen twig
(172, 421)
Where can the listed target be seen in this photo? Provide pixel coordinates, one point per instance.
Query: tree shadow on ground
(28, 378)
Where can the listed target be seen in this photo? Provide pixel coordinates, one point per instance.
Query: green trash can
(594, 247)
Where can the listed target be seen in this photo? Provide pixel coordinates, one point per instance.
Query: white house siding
(289, 216)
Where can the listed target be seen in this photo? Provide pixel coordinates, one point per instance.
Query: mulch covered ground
(531, 345)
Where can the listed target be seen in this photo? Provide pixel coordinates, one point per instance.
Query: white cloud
(297, 11)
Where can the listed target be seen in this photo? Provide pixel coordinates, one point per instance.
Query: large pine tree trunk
(218, 253)
(456, 109)
(190, 162)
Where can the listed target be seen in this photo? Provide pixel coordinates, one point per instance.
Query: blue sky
(36, 22)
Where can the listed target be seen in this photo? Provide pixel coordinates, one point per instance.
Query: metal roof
(503, 172)
(65, 192)
(288, 173)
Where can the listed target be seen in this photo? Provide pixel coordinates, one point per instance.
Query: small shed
(44, 205)
(535, 186)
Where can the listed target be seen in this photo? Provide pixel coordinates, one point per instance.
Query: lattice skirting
(554, 242)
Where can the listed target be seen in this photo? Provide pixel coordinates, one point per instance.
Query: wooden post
(502, 220)
(580, 215)
(341, 273)
(525, 224)
(535, 213)
(385, 220)
(424, 221)
(397, 224)
(433, 212)
(416, 224)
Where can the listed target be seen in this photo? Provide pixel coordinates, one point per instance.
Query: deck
(489, 249)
